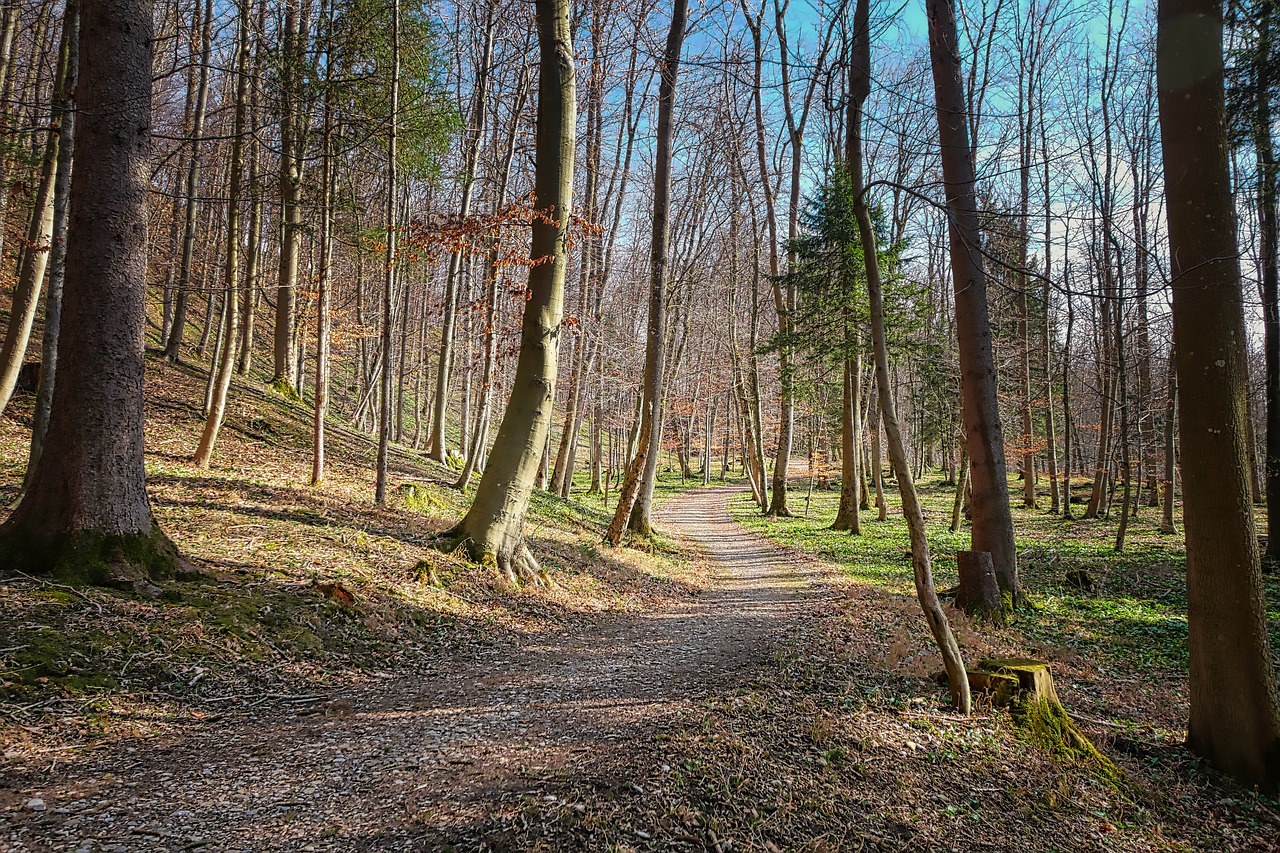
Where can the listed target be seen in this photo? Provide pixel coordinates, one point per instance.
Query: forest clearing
(739, 425)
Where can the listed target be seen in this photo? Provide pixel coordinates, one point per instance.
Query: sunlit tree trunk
(640, 472)
(66, 117)
(386, 415)
(231, 271)
(182, 296)
(35, 259)
(493, 528)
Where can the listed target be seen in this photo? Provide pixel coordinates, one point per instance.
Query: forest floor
(335, 684)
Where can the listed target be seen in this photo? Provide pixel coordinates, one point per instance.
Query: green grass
(1135, 619)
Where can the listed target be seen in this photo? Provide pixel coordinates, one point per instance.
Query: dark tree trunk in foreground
(493, 528)
(86, 513)
(992, 518)
(1235, 720)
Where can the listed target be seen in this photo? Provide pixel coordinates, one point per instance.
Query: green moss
(94, 558)
(284, 389)
(420, 499)
(49, 661)
(1048, 725)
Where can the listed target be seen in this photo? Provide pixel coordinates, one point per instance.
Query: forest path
(442, 758)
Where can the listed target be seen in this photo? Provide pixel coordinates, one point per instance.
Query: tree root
(518, 568)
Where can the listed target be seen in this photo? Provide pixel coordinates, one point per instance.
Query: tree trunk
(1170, 454)
(325, 283)
(178, 326)
(444, 367)
(231, 273)
(253, 252)
(859, 88)
(386, 417)
(66, 116)
(992, 518)
(640, 472)
(848, 516)
(86, 514)
(35, 258)
(493, 527)
(1269, 231)
(292, 166)
(1235, 718)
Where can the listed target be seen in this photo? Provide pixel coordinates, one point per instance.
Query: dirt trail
(421, 760)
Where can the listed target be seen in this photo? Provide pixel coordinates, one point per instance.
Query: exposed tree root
(515, 564)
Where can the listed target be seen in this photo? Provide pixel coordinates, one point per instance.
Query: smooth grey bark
(35, 258)
(493, 528)
(58, 250)
(641, 471)
(182, 287)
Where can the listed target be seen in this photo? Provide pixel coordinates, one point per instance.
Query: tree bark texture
(494, 525)
(992, 517)
(87, 513)
(1235, 718)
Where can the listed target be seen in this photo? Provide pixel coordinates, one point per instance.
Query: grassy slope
(282, 557)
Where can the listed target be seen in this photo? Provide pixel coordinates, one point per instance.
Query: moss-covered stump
(1001, 689)
(1025, 686)
(1047, 723)
(1033, 676)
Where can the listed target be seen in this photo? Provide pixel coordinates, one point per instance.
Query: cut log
(979, 591)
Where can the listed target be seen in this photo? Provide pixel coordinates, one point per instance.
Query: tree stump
(979, 591)
(1026, 688)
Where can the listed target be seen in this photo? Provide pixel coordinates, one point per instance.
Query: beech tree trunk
(65, 108)
(35, 258)
(86, 513)
(1235, 715)
(182, 296)
(221, 372)
(493, 528)
(641, 470)
(292, 167)
(992, 517)
(387, 414)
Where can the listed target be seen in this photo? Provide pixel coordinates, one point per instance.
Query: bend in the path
(436, 754)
